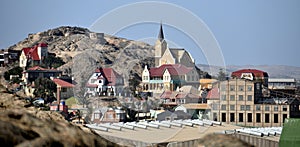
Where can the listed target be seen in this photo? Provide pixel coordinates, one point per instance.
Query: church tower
(160, 46)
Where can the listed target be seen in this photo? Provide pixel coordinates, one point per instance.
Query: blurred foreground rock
(24, 125)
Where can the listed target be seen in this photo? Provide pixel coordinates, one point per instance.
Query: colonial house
(166, 55)
(33, 55)
(65, 88)
(35, 72)
(105, 82)
(168, 77)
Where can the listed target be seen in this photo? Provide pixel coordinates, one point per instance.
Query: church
(174, 68)
(166, 55)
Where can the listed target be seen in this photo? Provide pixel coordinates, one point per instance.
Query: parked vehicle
(38, 102)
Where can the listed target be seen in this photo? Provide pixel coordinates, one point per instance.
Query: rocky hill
(83, 53)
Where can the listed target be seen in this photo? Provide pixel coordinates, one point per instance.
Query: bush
(53, 61)
(13, 71)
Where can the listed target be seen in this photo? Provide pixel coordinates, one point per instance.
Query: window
(257, 107)
(249, 88)
(258, 118)
(223, 97)
(249, 98)
(232, 88)
(223, 107)
(284, 116)
(241, 88)
(257, 86)
(64, 89)
(284, 108)
(215, 118)
(267, 118)
(241, 117)
(275, 108)
(215, 106)
(267, 108)
(231, 107)
(248, 107)
(231, 117)
(242, 107)
(223, 87)
(97, 115)
(241, 97)
(232, 97)
(223, 117)
(275, 118)
(249, 117)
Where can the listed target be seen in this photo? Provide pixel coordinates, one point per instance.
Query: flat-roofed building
(237, 101)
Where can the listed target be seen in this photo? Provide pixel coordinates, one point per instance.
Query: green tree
(14, 71)
(221, 75)
(44, 88)
(53, 61)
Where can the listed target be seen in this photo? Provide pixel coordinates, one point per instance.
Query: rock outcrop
(23, 125)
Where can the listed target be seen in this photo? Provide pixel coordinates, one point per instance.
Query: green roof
(290, 135)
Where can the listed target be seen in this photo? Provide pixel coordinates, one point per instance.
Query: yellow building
(237, 101)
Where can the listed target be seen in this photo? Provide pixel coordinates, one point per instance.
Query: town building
(108, 115)
(2, 59)
(242, 101)
(65, 88)
(168, 77)
(35, 72)
(33, 55)
(166, 55)
(283, 87)
(8, 56)
(105, 82)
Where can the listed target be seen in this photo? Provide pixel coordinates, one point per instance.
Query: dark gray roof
(161, 33)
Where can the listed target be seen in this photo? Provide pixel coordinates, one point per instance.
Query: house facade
(65, 88)
(35, 72)
(168, 77)
(33, 55)
(105, 82)
(241, 101)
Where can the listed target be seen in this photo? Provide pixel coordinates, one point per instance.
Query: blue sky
(248, 32)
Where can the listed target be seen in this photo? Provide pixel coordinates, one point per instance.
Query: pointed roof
(173, 69)
(63, 83)
(161, 33)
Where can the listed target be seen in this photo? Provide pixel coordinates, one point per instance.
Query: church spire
(161, 33)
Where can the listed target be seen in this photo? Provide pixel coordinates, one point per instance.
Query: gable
(167, 58)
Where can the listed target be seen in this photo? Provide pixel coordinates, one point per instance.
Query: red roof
(174, 69)
(92, 85)
(33, 51)
(63, 83)
(42, 44)
(41, 68)
(110, 75)
(36, 68)
(213, 93)
(166, 94)
(255, 72)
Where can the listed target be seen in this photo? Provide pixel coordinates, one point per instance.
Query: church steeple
(161, 33)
